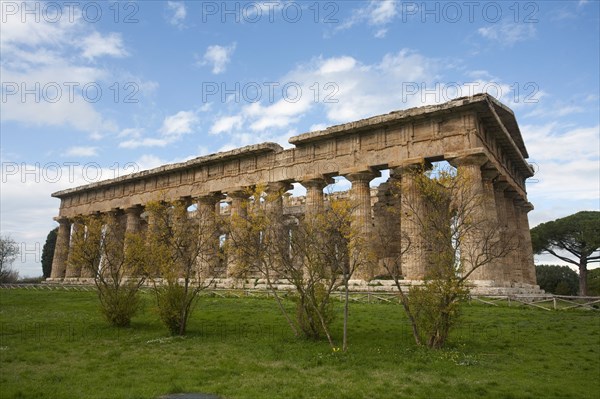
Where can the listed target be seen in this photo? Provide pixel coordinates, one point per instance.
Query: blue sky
(93, 90)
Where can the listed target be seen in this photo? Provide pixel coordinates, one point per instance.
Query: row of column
(499, 204)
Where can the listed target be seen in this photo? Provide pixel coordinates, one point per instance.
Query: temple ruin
(477, 134)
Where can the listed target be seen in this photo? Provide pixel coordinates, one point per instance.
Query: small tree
(312, 254)
(459, 241)
(9, 250)
(577, 235)
(48, 252)
(99, 248)
(176, 251)
(558, 280)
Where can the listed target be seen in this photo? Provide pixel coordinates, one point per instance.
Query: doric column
(133, 225)
(412, 208)
(513, 230)
(276, 231)
(239, 210)
(492, 271)
(527, 263)
(133, 221)
(505, 263)
(208, 231)
(61, 250)
(387, 228)
(72, 270)
(474, 205)
(362, 224)
(314, 196)
(239, 202)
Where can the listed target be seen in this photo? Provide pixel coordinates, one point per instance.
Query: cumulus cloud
(218, 57)
(177, 13)
(172, 128)
(82, 151)
(377, 13)
(55, 53)
(178, 124)
(98, 45)
(508, 33)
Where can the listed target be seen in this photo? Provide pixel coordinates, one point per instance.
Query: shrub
(119, 305)
(174, 306)
(308, 319)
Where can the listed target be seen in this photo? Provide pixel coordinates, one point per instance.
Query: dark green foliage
(48, 252)
(557, 280)
(119, 304)
(574, 239)
(594, 282)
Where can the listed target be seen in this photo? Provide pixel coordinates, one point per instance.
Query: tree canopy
(48, 252)
(558, 280)
(574, 239)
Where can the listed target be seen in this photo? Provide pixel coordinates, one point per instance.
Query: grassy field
(54, 344)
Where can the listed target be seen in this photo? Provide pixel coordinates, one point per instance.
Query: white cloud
(336, 65)
(96, 45)
(218, 57)
(172, 128)
(226, 124)
(55, 53)
(377, 13)
(145, 142)
(82, 152)
(567, 160)
(178, 13)
(179, 124)
(508, 33)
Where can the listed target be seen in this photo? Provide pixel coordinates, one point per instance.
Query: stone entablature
(476, 133)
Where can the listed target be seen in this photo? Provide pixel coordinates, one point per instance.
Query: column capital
(489, 174)
(210, 199)
(478, 159)
(238, 192)
(134, 209)
(315, 181)
(362, 176)
(500, 186)
(524, 205)
(278, 186)
(62, 220)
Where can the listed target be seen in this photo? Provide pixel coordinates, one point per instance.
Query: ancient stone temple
(478, 135)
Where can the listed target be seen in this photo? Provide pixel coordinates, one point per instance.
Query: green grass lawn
(54, 344)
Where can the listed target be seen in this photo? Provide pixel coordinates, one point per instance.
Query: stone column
(414, 261)
(133, 225)
(362, 224)
(61, 250)
(314, 196)
(527, 263)
(505, 263)
(387, 228)
(513, 230)
(276, 231)
(209, 235)
(478, 208)
(492, 271)
(239, 209)
(72, 270)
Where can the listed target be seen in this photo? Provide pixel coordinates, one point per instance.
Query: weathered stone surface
(478, 134)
